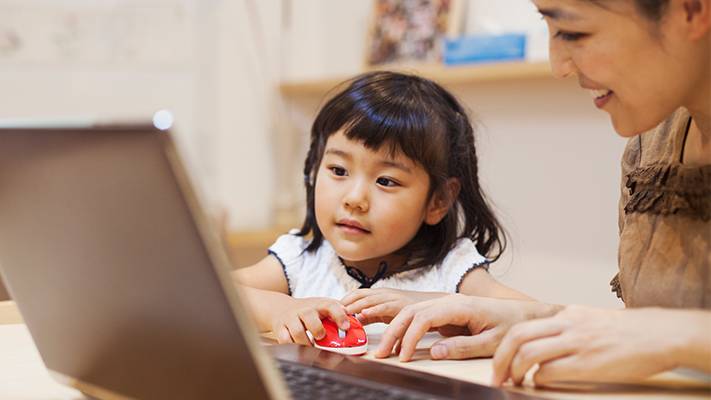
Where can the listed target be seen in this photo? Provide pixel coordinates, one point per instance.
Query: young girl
(395, 214)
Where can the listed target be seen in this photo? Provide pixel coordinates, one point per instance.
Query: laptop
(126, 289)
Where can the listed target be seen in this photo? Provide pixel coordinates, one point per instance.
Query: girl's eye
(387, 182)
(569, 36)
(338, 171)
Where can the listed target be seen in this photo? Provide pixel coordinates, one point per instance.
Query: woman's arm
(694, 346)
(599, 345)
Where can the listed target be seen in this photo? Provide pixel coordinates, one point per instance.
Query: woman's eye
(569, 36)
(387, 182)
(338, 171)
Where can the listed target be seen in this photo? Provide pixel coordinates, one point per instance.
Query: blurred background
(244, 79)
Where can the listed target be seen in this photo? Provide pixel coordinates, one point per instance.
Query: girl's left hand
(590, 345)
(382, 305)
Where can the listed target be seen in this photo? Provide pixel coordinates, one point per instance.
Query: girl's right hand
(304, 315)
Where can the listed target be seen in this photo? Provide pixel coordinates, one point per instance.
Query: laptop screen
(102, 249)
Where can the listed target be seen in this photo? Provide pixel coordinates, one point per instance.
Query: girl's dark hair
(417, 117)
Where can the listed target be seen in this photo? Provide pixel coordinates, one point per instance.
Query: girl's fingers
(517, 336)
(297, 331)
(313, 324)
(282, 335)
(337, 313)
(538, 351)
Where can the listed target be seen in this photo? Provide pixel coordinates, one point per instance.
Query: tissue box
(484, 48)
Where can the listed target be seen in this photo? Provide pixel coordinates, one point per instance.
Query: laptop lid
(123, 287)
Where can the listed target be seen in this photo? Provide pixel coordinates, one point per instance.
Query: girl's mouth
(351, 229)
(601, 96)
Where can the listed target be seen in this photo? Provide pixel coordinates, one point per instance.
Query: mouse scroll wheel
(341, 333)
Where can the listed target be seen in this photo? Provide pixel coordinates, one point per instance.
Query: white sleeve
(462, 259)
(289, 249)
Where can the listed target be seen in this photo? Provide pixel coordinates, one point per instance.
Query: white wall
(213, 63)
(548, 159)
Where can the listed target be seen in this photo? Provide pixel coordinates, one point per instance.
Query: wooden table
(23, 375)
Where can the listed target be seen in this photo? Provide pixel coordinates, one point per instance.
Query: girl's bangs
(403, 129)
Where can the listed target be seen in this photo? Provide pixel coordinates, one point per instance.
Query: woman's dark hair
(651, 9)
(420, 119)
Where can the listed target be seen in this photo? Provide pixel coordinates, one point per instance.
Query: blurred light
(163, 120)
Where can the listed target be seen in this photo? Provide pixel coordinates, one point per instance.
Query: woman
(647, 63)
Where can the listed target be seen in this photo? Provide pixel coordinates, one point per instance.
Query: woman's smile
(601, 97)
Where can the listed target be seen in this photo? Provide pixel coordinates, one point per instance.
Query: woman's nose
(357, 198)
(562, 65)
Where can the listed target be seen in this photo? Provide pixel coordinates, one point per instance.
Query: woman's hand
(588, 344)
(301, 315)
(382, 305)
(474, 325)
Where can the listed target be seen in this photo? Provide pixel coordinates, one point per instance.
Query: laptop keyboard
(312, 383)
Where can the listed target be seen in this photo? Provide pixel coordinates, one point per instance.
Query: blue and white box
(485, 48)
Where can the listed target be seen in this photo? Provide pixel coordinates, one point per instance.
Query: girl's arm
(479, 282)
(265, 289)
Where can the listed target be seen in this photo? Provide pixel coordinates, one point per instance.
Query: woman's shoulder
(660, 144)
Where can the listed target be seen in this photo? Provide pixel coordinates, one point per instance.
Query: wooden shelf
(446, 76)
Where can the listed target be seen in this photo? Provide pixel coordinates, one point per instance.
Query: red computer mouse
(351, 342)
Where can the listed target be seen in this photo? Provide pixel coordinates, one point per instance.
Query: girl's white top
(321, 273)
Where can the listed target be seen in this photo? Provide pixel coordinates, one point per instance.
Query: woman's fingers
(425, 319)
(463, 347)
(566, 368)
(395, 331)
(454, 330)
(538, 351)
(366, 302)
(355, 295)
(517, 336)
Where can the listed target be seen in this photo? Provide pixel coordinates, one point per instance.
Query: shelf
(446, 76)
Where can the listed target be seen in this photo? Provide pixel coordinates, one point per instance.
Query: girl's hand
(475, 325)
(382, 305)
(304, 315)
(588, 344)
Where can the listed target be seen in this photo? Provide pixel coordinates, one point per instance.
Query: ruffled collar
(662, 188)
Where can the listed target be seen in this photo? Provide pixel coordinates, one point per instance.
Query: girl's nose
(357, 198)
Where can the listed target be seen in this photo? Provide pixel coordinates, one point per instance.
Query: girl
(395, 214)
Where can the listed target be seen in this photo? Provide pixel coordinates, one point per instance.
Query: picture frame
(411, 32)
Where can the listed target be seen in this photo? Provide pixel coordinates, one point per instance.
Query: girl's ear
(442, 201)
